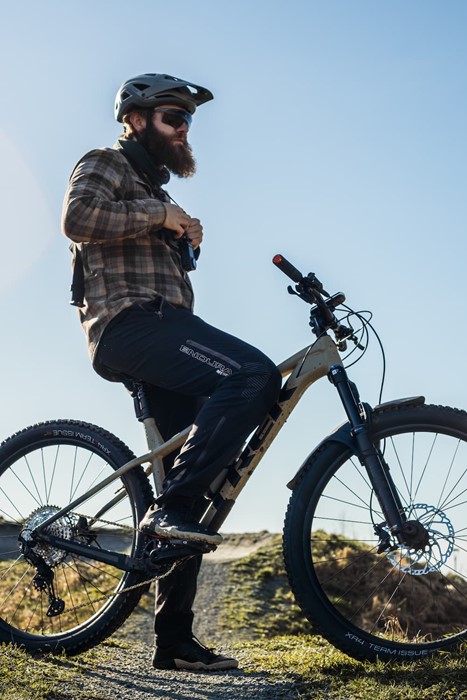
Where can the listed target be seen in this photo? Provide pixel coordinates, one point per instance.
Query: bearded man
(134, 247)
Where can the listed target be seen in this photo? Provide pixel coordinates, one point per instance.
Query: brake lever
(311, 281)
(306, 296)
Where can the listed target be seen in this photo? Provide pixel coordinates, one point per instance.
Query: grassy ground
(318, 671)
(273, 639)
(49, 677)
(321, 672)
(26, 678)
(260, 599)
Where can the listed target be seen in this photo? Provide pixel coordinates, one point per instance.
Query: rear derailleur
(43, 579)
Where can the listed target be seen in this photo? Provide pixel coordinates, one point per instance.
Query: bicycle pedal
(198, 545)
(181, 542)
(174, 548)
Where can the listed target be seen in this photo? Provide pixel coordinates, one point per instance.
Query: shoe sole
(182, 535)
(182, 665)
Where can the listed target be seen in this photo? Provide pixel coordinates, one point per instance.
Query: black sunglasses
(174, 117)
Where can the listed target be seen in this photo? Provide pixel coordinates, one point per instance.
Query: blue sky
(336, 137)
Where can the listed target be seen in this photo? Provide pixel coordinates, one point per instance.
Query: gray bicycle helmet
(152, 89)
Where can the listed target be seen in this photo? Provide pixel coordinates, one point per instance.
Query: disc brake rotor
(441, 539)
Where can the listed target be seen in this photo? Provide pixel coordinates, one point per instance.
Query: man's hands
(179, 222)
(176, 219)
(194, 232)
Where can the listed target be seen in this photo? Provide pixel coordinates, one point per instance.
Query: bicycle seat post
(153, 437)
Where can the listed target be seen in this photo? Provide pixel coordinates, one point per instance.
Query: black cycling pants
(183, 361)
(175, 350)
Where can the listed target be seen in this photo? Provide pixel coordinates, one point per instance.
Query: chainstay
(115, 594)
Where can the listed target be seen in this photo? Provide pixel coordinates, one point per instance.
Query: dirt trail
(212, 584)
(128, 675)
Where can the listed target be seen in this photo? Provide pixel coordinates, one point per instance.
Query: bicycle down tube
(304, 368)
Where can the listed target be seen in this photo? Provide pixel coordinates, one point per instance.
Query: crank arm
(179, 549)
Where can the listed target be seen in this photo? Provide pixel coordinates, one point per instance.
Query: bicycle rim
(368, 594)
(41, 470)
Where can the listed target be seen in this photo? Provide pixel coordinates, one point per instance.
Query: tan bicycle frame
(302, 369)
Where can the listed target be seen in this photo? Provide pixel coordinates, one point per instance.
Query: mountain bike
(374, 534)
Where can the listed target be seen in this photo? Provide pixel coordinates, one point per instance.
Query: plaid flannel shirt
(114, 218)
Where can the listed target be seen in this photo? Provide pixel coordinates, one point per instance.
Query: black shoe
(191, 656)
(177, 524)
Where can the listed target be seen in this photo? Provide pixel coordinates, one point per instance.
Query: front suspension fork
(368, 454)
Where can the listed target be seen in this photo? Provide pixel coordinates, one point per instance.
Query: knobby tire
(398, 604)
(45, 467)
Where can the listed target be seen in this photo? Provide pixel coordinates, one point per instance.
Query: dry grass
(23, 606)
(362, 583)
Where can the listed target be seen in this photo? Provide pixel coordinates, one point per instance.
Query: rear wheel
(367, 594)
(42, 469)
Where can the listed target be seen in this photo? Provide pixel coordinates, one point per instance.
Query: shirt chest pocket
(135, 189)
(142, 189)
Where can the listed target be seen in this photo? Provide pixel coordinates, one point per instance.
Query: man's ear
(138, 121)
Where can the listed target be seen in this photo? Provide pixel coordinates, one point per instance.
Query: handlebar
(311, 290)
(287, 268)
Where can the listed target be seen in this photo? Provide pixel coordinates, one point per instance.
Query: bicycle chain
(107, 596)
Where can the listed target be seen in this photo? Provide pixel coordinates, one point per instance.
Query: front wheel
(368, 595)
(51, 600)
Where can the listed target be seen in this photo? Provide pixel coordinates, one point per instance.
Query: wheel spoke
(391, 596)
(39, 470)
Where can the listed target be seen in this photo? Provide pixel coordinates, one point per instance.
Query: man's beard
(178, 158)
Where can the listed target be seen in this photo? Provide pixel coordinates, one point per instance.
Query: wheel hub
(415, 534)
(429, 541)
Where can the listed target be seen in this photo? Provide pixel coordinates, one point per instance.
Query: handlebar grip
(287, 268)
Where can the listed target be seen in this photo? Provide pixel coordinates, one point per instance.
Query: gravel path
(127, 674)
(130, 677)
